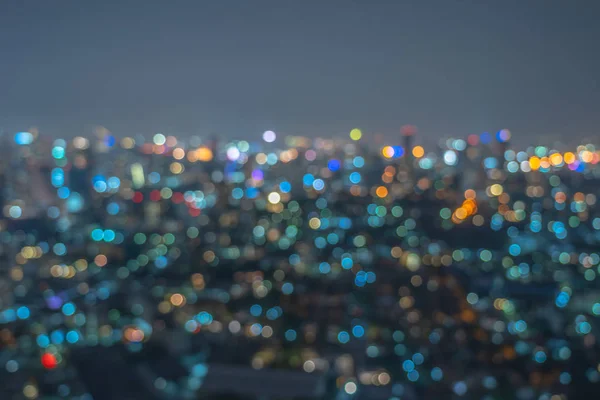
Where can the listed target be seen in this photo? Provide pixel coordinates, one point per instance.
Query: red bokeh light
(473, 140)
(138, 197)
(155, 195)
(408, 130)
(49, 361)
(177, 198)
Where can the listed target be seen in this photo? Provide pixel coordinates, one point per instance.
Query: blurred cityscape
(296, 268)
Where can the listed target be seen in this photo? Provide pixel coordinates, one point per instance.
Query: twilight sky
(313, 67)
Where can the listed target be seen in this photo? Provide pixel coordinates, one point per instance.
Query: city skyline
(285, 200)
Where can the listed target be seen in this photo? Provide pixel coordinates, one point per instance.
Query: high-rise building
(408, 132)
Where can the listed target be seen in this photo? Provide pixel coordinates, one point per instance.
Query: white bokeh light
(269, 136)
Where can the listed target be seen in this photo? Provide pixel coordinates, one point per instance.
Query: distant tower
(213, 144)
(408, 132)
(503, 137)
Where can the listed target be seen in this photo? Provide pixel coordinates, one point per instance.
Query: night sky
(317, 68)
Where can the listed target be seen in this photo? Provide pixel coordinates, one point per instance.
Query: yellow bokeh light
(355, 134)
(556, 159)
(30, 391)
(274, 198)
(261, 158)
(496, 189)
(387, 152)
(176, 168)
(569, 157)
(177, 299)
(461, 213)
(418, 151)
(534, 163)
(28, 252)
(314, 223)
(204, 154)
(127, 143)
(586, 156)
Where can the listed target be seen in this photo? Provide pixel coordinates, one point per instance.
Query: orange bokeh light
(381, 191)
(418, 151)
